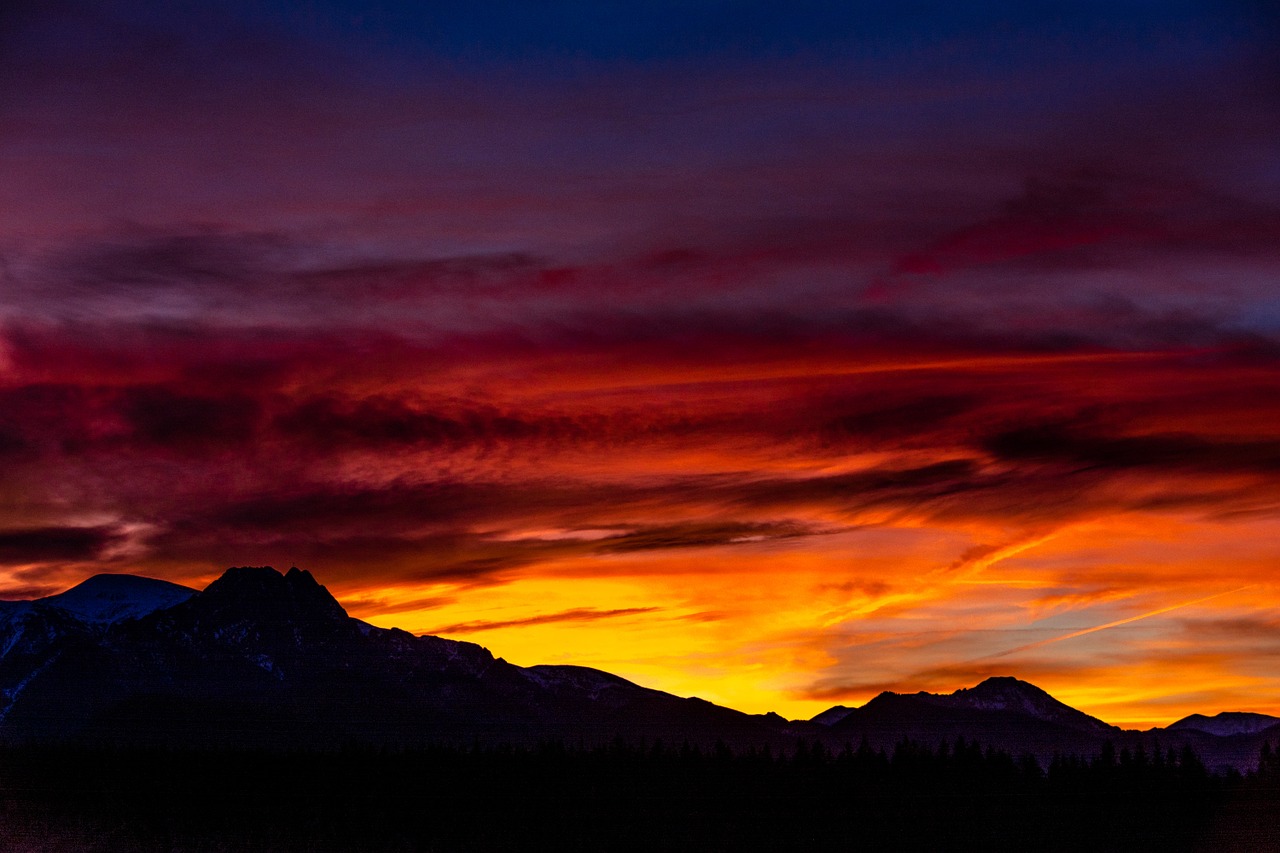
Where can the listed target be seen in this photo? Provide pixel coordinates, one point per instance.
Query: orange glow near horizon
(1120, 602)
(777, 532)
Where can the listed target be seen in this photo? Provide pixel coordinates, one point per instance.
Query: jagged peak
(886, 698)
(264, 577)
(247, 575)
(265, 587)
(1005, 685)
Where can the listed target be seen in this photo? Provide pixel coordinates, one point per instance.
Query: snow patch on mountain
(10, 695)
(108, 598)
(578, 679)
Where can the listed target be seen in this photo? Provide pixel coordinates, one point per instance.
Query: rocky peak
(1005, 693)
(265, 594)
(257, 608)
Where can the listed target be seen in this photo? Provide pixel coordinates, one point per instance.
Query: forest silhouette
(628, 796)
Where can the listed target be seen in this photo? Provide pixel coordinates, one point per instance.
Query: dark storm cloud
(55, 544)
(226, 280)
(11, 442)
(1079, 444)
(876, 420)
(194, 261)
(160, 417)
(46, 419)
(53, 419)
(382, 422)
(422, 527)
(1089, 219)
(336, 507)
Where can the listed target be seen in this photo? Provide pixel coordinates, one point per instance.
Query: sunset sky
(775, 353)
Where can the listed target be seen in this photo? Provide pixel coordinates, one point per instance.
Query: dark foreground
(957, 797)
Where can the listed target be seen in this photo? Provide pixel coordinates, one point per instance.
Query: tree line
(955, 795)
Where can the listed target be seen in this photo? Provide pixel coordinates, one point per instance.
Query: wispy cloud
(583, 614)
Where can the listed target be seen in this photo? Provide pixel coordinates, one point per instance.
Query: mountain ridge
(1227, 723)
(266, 658)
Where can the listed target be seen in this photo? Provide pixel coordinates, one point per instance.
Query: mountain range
(264, 659)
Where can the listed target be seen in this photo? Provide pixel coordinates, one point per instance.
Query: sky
(778, 354)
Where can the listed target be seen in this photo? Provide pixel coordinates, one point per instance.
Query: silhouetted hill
(930, 719)
(1027, 700)
(265, 659)
(1227, 723)
(110, 598)
(261, 658)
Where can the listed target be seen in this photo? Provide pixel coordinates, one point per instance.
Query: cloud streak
(581, 614)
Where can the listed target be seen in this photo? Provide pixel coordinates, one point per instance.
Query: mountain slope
(107, 598)
(261, 658)
(265, 659)
(1003, 693)
(1227, 723)
(832, 715)
(1002, 712)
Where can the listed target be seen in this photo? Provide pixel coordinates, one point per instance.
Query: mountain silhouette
(266, 659)
(1227, 723)
(109, 598)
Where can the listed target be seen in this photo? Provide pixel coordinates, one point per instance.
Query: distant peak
(1227, 723)
(107, 598)
(112, 581)
(832, 715)
(1004, 681)
(1004, 684)
(1006, 693)
(1003, 688)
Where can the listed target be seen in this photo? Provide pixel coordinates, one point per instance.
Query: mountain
(1227, 723)
(1020, 718)
(1002, 712)
(266, 659)
(832, 715)
(107, 598)
(1003, 693)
